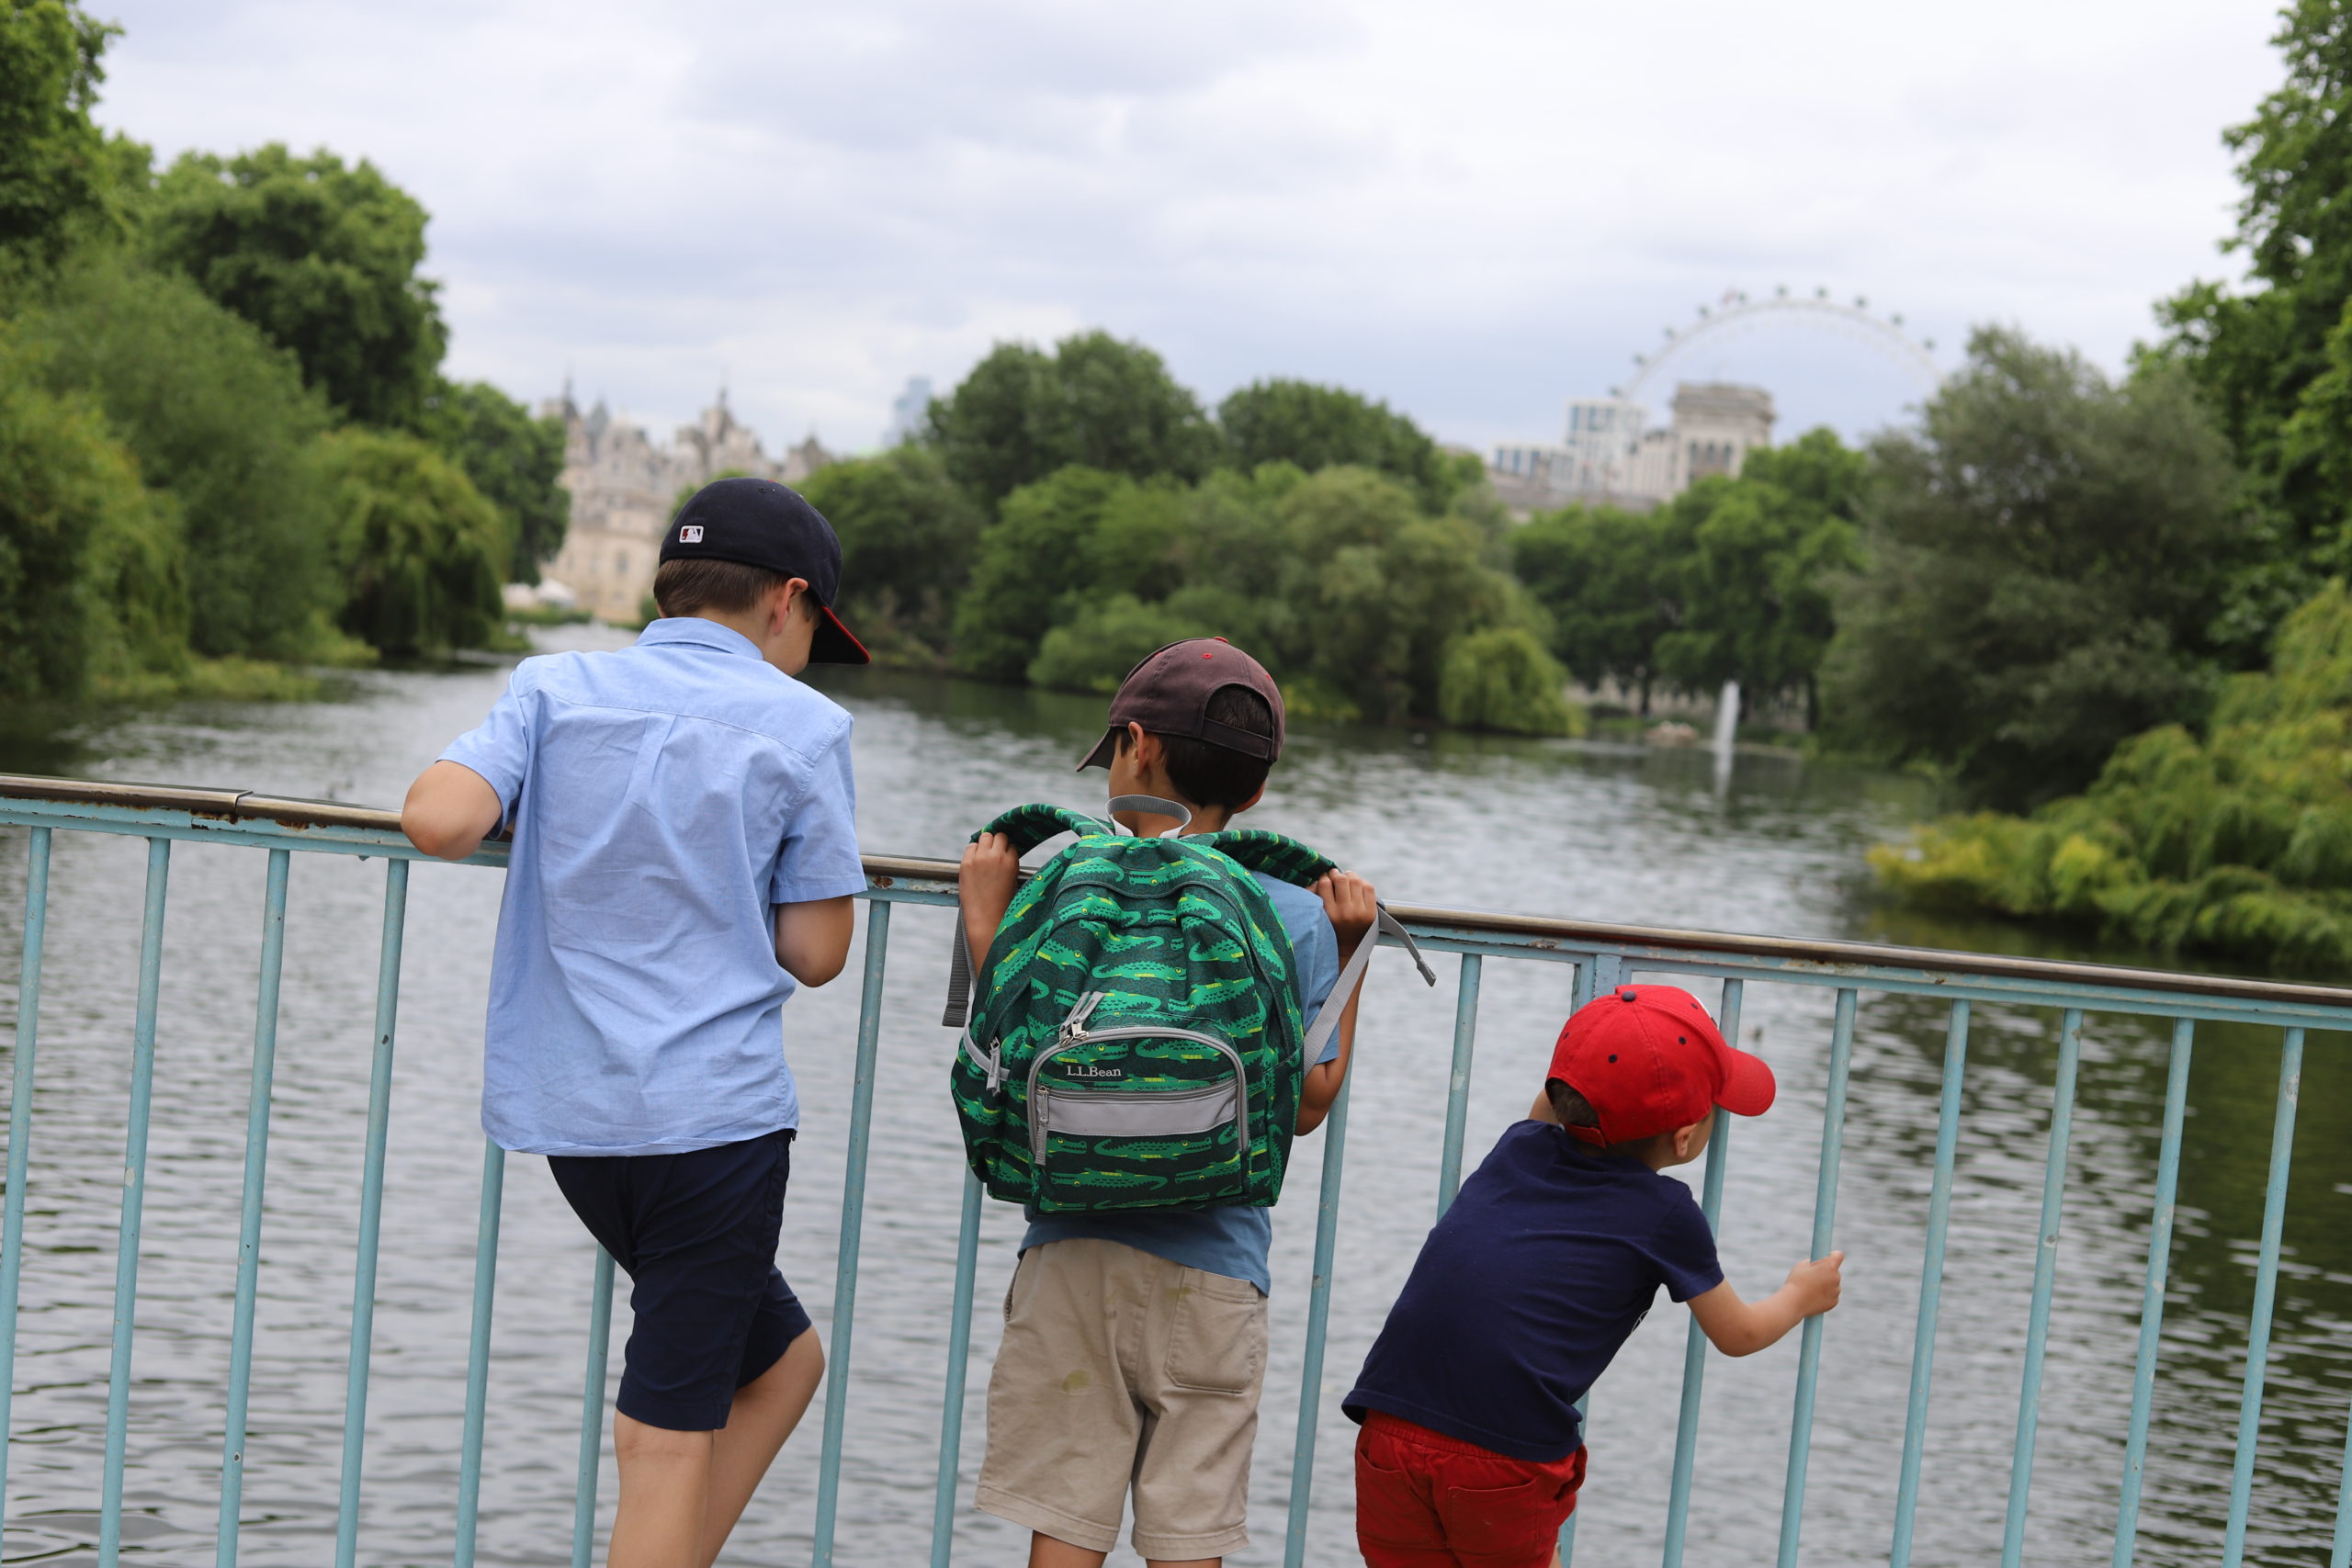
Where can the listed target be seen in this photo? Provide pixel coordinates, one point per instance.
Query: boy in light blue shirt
(685, 851)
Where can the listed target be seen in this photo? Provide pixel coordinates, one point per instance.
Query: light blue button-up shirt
(664, 799)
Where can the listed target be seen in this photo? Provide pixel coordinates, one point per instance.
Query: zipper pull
(1073, 1028)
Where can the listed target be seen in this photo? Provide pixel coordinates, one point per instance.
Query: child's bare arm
(1352, 906)
(812, 938)
(1742, 1328)
(992, 874)
(450, 809)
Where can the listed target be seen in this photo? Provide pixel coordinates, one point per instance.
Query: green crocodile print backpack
(1137, 1042)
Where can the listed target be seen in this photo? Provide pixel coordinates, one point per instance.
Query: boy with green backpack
(1135, 1069)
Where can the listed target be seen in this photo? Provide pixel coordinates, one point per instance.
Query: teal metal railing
(1601, 956)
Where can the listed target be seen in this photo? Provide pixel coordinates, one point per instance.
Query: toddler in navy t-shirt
(1472, 1449)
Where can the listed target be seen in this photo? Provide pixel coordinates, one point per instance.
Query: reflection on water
(1593, 831)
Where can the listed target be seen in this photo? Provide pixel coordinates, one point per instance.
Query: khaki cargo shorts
(1121, 1368)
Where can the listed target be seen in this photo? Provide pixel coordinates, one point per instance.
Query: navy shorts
(698, 1233)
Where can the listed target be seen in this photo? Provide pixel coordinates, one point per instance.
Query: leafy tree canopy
(55, 168)
(2044, 558)
(2273, 358)
(514, 459)
(1320, 427)
(908, 534)
(90, 561)
(418, 547)
(322, 259)
(1095, 401)
(219, 418)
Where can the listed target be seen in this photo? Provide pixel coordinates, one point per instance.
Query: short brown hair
(1573, 1109)
(1209, 774)
(694, 583)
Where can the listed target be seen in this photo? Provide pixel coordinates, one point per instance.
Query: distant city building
(911, 411)
(1606, 454)
(624, 489)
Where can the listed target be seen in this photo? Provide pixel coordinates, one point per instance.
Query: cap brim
(833, 644)
(1104, 750)
(1748, 1085)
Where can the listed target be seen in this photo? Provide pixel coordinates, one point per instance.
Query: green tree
(1375, 592)
(2235, 842)
(56, 172)
(90, 561)
(1755, 556)
(418, 549)
(1030, 560)
(1501, 678)
(2044, 561)
(1095, 401)
(1320, 427)
(1604, 575)
(514, 459)
(2261, 352)
(1094, 649)
(219, 418)
(322, 259)
(908, 534)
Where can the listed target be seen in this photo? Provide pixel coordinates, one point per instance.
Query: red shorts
(1425, 1500)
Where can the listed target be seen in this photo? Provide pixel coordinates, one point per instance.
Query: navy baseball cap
(761, 523)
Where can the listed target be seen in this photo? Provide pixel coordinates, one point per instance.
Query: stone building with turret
(624, 488)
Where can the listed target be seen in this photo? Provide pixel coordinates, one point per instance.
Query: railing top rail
(247, 807)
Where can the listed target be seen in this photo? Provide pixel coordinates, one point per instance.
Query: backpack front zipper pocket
(1075, 1111)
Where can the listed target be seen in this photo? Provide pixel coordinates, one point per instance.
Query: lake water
(1591, 831)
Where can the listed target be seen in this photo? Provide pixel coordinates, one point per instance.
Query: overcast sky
(1473, 210)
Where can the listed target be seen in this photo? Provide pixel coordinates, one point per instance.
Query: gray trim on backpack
(1098, 1114)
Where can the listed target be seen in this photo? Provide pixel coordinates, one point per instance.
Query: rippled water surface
(1549, 828)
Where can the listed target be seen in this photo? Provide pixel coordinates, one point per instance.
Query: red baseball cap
(1649, 1059)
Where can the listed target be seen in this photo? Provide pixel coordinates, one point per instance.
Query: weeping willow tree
(2237, 843)
(420, 551)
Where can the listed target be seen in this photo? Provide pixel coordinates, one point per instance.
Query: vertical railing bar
(592, 1411)
(1932, 1286)
(1580, 982)
(1318, 1320)
(240, 1332)
(2046, 1278)
(1606, 971)
(1457, 1089)
(371, 1208)
(20, 1128)
(861, 1120)
(959, 1351)
(2152, 1293)
(1694, 1345)
(2265, 1292)
(493, 1194)
(1824, 1214)
(134, 1194)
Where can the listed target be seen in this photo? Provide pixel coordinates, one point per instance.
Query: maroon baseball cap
(1169, 694)
(1649, 1059)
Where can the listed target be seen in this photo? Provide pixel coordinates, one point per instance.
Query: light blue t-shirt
(664, 799)
(1231, 1241)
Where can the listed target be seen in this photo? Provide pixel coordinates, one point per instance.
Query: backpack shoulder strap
(1288, 860)
(1027, 827)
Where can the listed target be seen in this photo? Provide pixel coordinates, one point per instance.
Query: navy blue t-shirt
(1549, 1258)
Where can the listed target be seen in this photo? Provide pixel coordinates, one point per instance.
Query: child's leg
(766, 1411)
(665, 1478)
(1045, 1552)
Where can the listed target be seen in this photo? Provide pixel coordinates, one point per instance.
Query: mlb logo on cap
(691, 533)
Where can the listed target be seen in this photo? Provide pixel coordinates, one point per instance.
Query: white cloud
(1473, 211)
